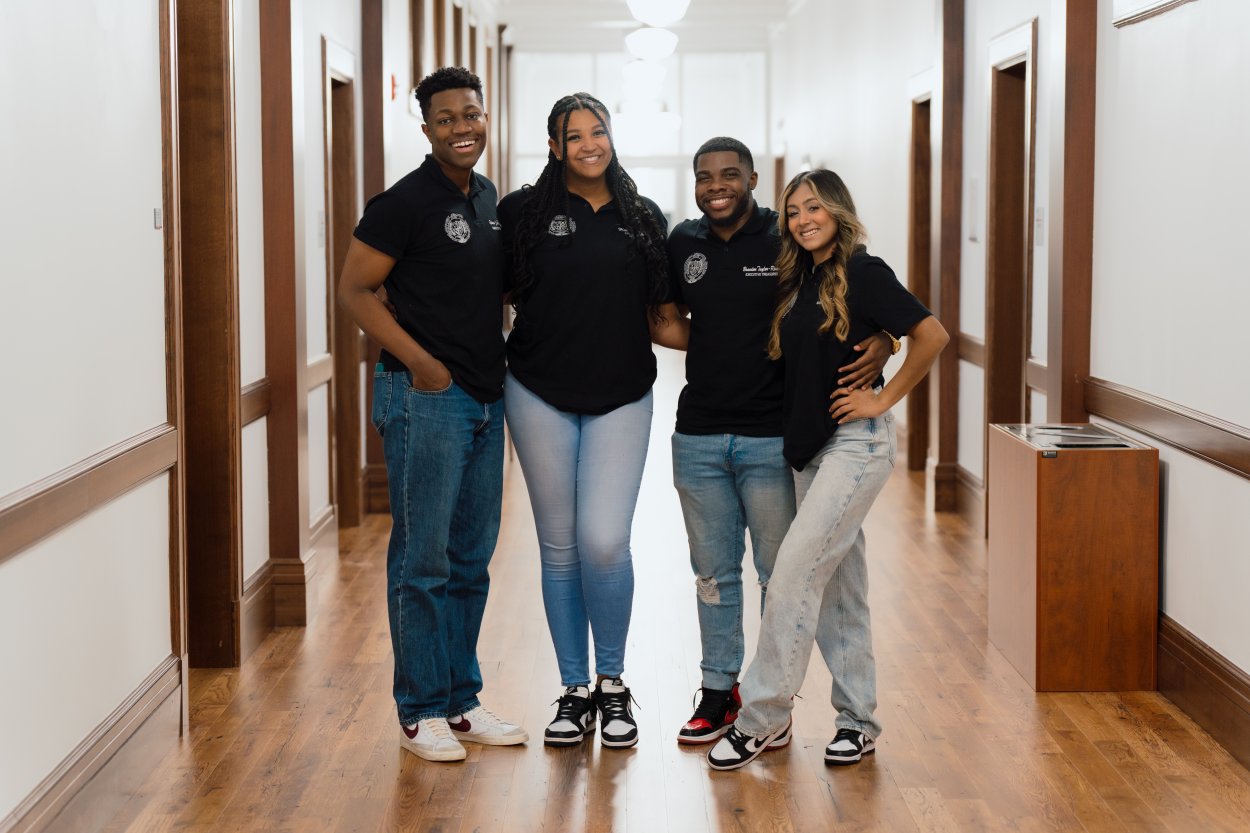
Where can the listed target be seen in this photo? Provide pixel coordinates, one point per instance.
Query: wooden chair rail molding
(971, 349)
(254, 400)
(29, 515)
(320, 371)
(1209, 438)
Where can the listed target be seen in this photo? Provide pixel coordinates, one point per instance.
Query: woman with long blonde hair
(832, 295)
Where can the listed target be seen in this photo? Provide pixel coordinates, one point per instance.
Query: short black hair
(725, 143)
(446, 78)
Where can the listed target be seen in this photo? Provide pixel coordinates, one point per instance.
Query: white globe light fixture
(649, 44)
(658, 13)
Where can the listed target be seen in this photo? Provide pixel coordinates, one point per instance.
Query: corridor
(302, 736)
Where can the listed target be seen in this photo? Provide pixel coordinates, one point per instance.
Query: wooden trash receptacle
(1074, 556)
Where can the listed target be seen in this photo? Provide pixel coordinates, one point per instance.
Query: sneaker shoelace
(615, 704)
(485, 716)
(438, 729)
(712, 706)
(571, 706)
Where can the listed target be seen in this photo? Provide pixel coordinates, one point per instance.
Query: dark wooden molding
(31, 514)
(416, 46)
(377, 490)
(1206, 686)
(948, 143)
(971, 349)
(1206, 437)
(258, 608)
(1071, 239)
(286, 340)
(320, 371)
(254, 401)
(1035, 377)
(440, 34)
(372, 94)
(919, 248)
(171, 204)
(210, 331)
(970, 498)
(296, 581)
(40, 809)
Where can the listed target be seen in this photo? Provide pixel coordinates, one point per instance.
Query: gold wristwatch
(895, 344)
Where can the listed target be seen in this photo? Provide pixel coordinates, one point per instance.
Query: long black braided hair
(549, 196)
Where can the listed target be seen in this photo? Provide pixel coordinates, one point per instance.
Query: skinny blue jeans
(819, 587)
(444, 467)
(729, 484)
(583, 474)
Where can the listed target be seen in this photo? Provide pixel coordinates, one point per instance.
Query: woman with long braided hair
(587, 273)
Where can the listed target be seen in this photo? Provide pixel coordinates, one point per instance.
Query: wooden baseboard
(945, 487)
(297, 581)
(258, 609)
(970, 497)
(1206, 686)
(377, 494)
(111, 763)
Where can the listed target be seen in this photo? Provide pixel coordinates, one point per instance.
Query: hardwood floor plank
(303, 736)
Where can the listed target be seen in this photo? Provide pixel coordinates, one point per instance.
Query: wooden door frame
(919, 251)
(210, 333)
(338, 65)
(1011, 154)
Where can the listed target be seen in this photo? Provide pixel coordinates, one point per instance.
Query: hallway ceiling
(601, 25)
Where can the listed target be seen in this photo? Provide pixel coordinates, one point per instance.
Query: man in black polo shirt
(727, 451)
(432, 240)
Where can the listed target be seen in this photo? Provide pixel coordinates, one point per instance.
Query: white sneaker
(431, 739)
(479, 725)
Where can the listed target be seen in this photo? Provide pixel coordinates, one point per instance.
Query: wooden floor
(303, 737)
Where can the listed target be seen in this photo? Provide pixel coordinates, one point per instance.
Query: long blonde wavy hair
(794, 262)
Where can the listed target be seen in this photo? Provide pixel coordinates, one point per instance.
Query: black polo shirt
(876, 301)
(581, 340)
(730, 287)
(447, 282)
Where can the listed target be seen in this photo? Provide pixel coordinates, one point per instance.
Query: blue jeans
(583, 474)
(444, 464)
(819, 587)
(728, 484)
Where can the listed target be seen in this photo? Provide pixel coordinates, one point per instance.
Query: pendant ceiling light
(658, 13)
(648, 44)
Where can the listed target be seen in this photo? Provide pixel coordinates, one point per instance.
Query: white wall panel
(255, 497)
(86, 619)
(971, 417)
(318, 451)
(249, 188)
(709, 82)
(82, 325)
(1170, 209)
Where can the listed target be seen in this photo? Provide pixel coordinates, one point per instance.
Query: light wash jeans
(728, 484)
(819, 587)
(444, 467)
(583, 474)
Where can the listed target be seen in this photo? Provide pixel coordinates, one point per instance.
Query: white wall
(83, 277)
(82, 332)
(1170, 216)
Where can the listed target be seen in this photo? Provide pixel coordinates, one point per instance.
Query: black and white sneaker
(848, 747)
(575, 717)
(619, 729)
(737, 749)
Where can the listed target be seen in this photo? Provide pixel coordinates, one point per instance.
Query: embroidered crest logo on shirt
(695, 267)
(562, 226)
(457, 228)
(494, 224)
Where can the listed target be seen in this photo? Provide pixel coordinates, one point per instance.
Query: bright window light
(649, 44)
(658, 13)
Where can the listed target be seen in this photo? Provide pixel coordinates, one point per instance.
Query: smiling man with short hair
(432, 240)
